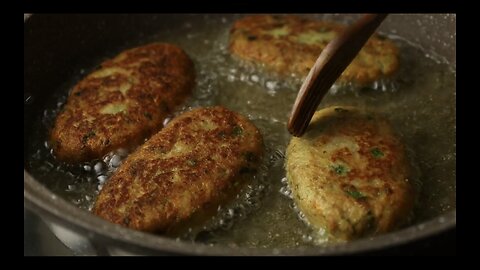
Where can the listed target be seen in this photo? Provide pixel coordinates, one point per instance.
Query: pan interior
(420, 102)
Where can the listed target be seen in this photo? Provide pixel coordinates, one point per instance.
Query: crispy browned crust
(290, 44)
(180, 170)
(372, 193)
(123, 102)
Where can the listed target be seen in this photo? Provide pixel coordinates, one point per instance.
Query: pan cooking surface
(420, 102)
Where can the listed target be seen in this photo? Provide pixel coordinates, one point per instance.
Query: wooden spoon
(333, 60)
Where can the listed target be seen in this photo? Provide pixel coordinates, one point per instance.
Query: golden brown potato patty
(123, 102)
(179, 170)
(290, 44)
(349, 174)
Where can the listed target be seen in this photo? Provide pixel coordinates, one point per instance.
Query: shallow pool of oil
(420, 102)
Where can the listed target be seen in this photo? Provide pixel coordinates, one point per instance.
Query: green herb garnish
(222, 134)
(323, 29)
(237, 131)
(88, 136)
(354, 193)
(147, 115)
(340, 169)
(377, 153)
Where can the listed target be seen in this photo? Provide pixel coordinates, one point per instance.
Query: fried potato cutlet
(123, 102)
(179, 170)
(349, 174)
(290, 44)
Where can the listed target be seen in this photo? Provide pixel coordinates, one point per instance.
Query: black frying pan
(55, 46)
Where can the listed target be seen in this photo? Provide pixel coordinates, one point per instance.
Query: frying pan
(55, 45)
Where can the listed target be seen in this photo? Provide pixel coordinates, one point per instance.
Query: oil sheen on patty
(349, 174)
(291, 45)
(123, 102)
(179, 171)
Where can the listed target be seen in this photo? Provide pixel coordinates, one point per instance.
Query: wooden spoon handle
(333, 60)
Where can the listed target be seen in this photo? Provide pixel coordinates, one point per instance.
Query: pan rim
(49, 205)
